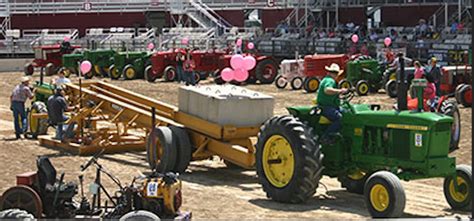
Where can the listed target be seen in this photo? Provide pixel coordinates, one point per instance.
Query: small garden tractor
(376, 149)
(101, 60)
(364, 73)
(292, 72)
(44, 195)
(314, 69)
(49, 57)
(130, 65)
(71, 63)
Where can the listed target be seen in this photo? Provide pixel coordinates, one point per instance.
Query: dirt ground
(210, 190)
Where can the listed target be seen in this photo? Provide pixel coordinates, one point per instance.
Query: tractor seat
(324, 120)
(47, 179)
(316, 111)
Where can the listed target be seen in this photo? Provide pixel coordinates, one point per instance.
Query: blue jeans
(334, 115)
(19, 117)
(189, 77)
(60, 128)
(179, 73)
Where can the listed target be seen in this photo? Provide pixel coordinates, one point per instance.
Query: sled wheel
(460, 198)
(391, 88)
(162, 146)
(22, 197)
(288, 160)
(296, 83)
(29, 69)
(185, 149)
(311, 84)
(129, 72)
(280, 82)
(362, 87)
(384, 195)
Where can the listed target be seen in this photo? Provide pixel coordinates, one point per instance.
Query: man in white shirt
(61, 79)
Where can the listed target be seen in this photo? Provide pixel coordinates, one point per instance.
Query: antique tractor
(101, 60)
(39, 125)
(364, 73)
(314, 69)
(71, 63)
(49, 57)
(291, 71)
(375, 150)
(44, 195)
(130, 65)
(162, 64)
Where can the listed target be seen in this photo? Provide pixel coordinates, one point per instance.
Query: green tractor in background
(101, 59)
(376, 150)
(71, 64)
(130, 65)
(364, 73)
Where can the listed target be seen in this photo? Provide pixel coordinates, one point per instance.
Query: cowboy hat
(334, 68)
(24, 79)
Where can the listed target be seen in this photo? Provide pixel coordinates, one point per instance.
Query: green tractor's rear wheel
(362, 87)
(37, 126)
(384, 195)
(114, 73)
(459, 198)
(288, 160)
(344, 84)
(354, 182)
(451, 109)
(391, 88)
(129, 72)
(311, 84)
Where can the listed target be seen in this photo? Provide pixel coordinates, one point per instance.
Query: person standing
(419, 71)
(188, 67)
(435, 73)
(179, 66)
(20, 94)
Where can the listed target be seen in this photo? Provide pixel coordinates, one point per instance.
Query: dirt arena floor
(210, 190)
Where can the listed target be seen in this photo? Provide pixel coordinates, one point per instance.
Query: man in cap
(20, 94)
(435, 73)
(57, 105)
(329, 102)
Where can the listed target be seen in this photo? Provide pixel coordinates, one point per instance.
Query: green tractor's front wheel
(129, 72)
(384, 195)
(288, 160)
(362, 87)
(459, 198)
(344, 84)
(114, 73)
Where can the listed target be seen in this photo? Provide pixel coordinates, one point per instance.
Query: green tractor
(71, 63)
(364, 73)
(39, 126)
(376, 150)
(101, 60)
(130, 65)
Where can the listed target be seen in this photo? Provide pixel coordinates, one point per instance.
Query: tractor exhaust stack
(402, 85)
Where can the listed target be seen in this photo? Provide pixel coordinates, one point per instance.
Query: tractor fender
(300, 112)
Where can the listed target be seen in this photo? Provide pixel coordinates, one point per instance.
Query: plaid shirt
(21, 93)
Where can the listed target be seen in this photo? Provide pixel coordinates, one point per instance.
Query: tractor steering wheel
(348, 96)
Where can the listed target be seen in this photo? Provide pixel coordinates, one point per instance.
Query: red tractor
(314, 70)
(457, 80)
(49, 57)
(265, 71)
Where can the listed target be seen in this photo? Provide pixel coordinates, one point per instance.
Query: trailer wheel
(50, 69)
(139, 215)
(459, 199)
(288, 160)
(129, 72)
(170, 73)
(354, 183)
(384, 195)
(185, 149)
(391, 88)
(280, 82)
(24, 198)
(29, 69)
(150, 76)
(311, 84)
(37, 126)
(296, 83)
(344, 84)
(114, 73)
(451, 109)
(16, 214)
(362, 87)
(161, 144)
(266, 71)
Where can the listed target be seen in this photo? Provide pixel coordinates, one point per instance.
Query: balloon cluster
(240, 68)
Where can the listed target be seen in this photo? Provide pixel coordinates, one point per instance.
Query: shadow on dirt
(334, 200)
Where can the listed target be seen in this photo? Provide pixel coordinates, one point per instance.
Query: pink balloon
(86, 67)
(249, 63)
(185, 40)
(239, 42)
(151, 46)
(387, 41)
(241, 75)
(237, 61)
(67, 39)
(227, 74)
(355, 38)
(250, 45)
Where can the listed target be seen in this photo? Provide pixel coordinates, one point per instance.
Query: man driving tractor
(329, 102)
